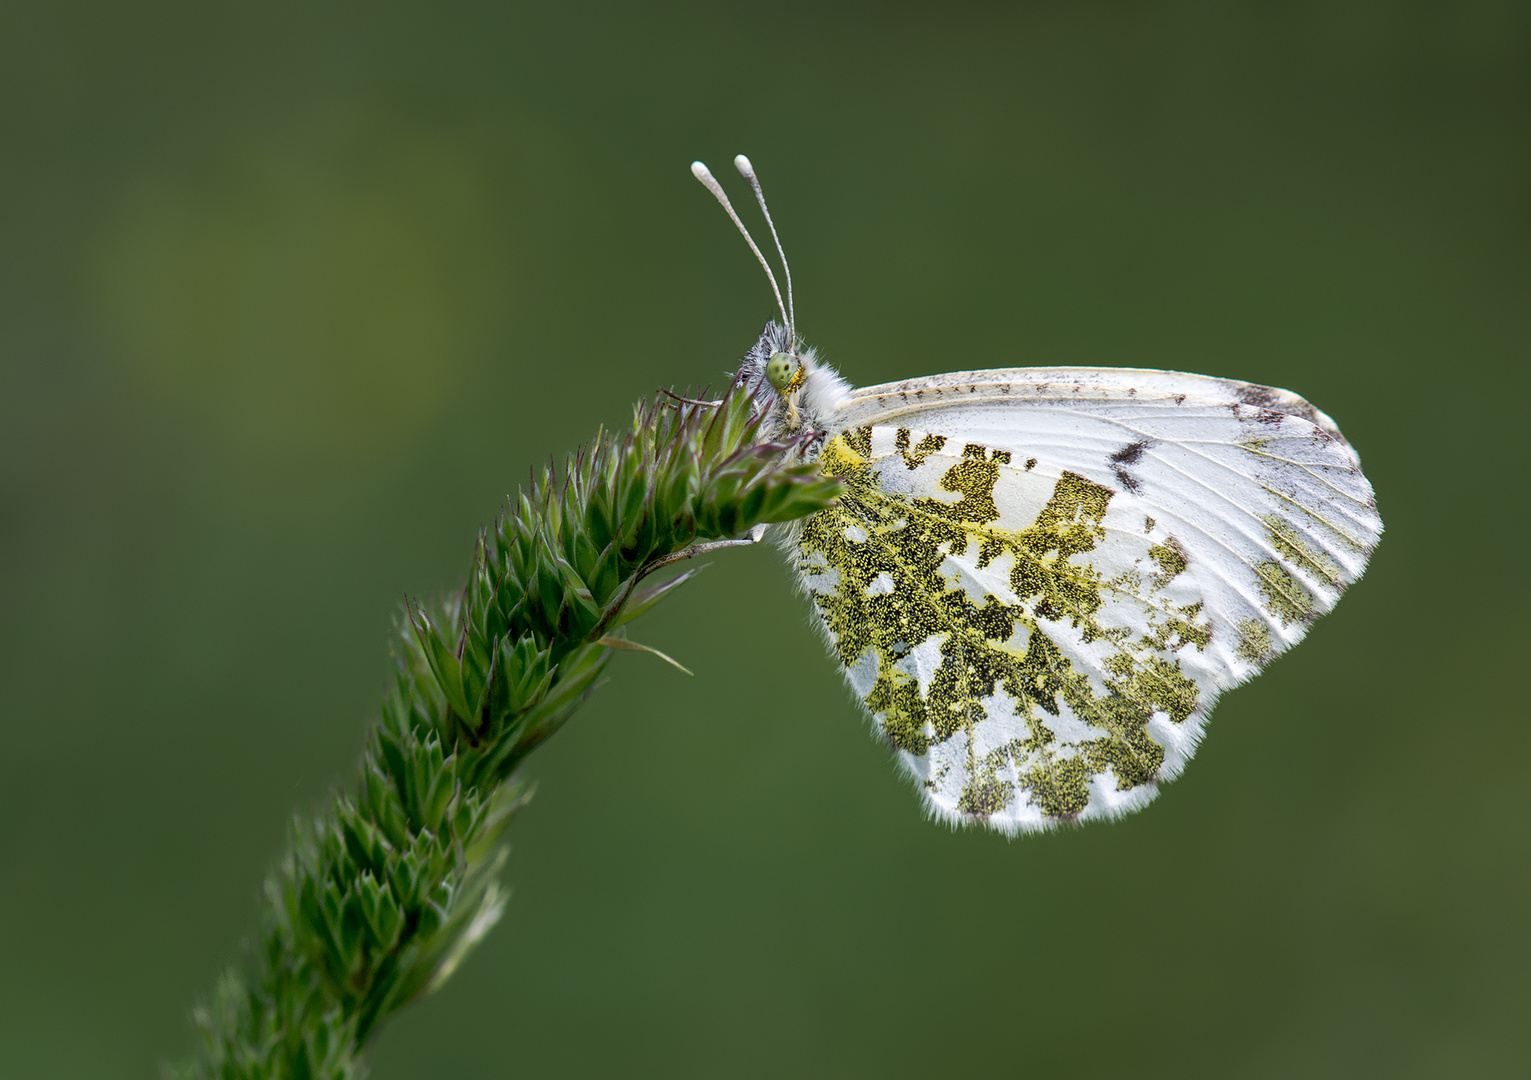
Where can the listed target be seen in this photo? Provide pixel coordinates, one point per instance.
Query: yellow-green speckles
(1285, 597)
(1160, 686)
(1176, 627)
(985, 793)
(1069, 525)
(914, 458)
(973, 478)
(858, 441)
(977, 686)
(1254, 641)
(897, 699)
(1060, 788)
(1300, 552)
(1133, 756)
(1171, 558)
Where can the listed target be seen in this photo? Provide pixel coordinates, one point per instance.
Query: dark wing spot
(1128, 455)
(1179, 399)
(1031, 463)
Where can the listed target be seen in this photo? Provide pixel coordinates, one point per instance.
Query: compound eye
(780, 369)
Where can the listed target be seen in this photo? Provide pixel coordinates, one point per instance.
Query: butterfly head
(797, 391)
(786, 372)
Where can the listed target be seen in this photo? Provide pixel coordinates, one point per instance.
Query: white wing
(1039, 580)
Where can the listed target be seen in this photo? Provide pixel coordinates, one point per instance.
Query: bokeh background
(292, 294)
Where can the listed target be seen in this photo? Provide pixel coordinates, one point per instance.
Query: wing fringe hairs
(383, 892)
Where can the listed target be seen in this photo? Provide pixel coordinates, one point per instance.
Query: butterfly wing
(1039, 580)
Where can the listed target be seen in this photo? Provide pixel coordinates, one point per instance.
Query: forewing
(1038, 581)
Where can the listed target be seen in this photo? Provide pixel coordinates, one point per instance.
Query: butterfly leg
(689, 401)
(754, 536)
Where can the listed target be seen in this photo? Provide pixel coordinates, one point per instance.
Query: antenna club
(742, 163)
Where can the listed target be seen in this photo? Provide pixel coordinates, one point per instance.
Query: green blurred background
(292, 294)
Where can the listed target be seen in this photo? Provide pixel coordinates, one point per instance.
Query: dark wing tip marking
(1278, 401)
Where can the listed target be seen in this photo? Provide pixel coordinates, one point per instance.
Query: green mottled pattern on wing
(1015, 671)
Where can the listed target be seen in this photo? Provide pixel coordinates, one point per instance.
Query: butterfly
(1037, 581)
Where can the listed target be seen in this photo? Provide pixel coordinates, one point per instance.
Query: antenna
(747, 171)
(699, 171)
